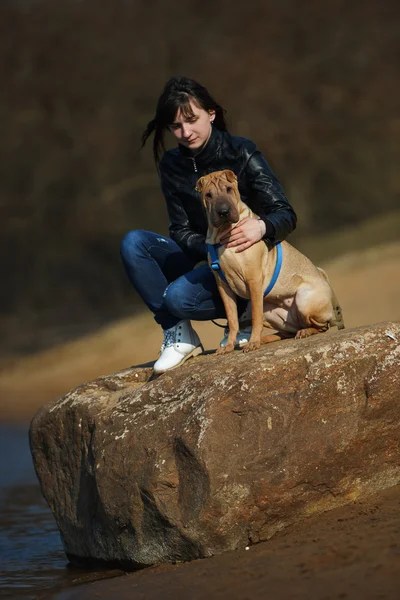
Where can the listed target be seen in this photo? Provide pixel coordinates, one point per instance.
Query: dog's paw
(225, 349)
(305, 333)
(250, 346)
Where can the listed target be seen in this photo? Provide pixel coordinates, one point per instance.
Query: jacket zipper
(194, 164)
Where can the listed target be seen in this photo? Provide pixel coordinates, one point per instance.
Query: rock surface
(222, 452)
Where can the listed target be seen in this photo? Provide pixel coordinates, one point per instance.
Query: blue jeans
(164, 278)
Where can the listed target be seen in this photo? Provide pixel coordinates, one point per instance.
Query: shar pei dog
(288, 293)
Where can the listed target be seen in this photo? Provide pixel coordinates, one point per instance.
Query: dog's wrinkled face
(219, 193)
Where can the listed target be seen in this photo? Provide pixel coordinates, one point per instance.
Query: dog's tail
(337, 320)
(338, 314)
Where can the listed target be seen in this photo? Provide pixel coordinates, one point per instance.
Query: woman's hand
(244, 234)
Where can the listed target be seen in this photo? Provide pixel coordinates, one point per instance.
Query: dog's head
(220, 196)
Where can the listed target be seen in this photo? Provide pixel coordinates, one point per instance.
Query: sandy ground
(352, 552)
(367, 284)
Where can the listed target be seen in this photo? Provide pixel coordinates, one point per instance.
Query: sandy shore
(352, 552)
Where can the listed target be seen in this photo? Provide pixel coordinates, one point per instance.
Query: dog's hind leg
(303, 333)
(267, 338)
(314, 308)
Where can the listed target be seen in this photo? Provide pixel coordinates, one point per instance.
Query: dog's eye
(228, 188)
(208, 195)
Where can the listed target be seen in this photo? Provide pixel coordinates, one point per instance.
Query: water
(32, 560)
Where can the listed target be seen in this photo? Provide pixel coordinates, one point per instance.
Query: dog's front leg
(256, 297)
(229, 300)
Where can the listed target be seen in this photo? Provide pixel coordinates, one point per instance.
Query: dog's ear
(230, 176)
(199, 188)
(200, 183)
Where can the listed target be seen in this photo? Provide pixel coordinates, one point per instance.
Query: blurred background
(314, 84)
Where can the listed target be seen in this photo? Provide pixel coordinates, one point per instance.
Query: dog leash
(216, 266)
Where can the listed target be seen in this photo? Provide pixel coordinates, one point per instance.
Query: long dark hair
(176, 95)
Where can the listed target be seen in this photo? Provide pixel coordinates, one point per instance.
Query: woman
(162, 269)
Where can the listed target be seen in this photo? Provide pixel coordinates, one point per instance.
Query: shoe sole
(191, 354)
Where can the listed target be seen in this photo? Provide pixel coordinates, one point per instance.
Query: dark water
(32, 560)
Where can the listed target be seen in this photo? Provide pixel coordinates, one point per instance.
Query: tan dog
(301, 303)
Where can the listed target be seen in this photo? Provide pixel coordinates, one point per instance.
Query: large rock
(222, 452)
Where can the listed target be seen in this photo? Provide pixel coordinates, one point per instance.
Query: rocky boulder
(222, 452)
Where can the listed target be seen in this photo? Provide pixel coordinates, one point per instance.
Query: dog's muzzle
(223, 210)
(223, 213)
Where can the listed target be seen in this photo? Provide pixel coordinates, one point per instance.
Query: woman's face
(192, 131)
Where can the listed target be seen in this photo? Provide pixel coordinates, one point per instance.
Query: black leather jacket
(258, 188)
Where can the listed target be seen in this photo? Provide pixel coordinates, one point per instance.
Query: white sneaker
(180, 343)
